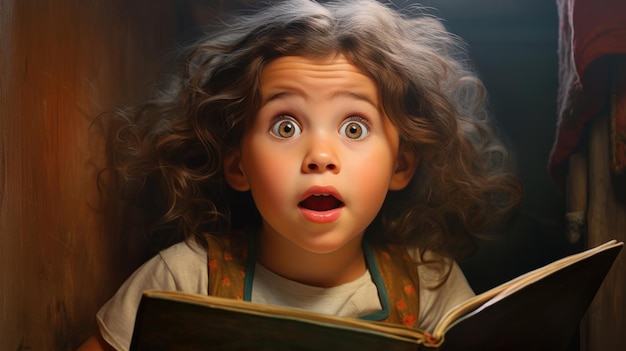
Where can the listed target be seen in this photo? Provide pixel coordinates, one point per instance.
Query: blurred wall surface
(63, 63)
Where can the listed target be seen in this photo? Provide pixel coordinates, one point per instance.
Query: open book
(539, 310)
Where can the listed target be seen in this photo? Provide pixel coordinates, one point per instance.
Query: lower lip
(321, 216)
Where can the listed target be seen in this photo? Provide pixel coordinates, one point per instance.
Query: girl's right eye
(285, 127)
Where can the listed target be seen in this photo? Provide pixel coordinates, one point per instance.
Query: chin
(325, 246)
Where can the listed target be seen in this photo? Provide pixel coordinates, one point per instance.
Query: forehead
(333, 74)
(327, 66)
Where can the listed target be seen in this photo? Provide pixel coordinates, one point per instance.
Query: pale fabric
(183, 267)
(353, 299)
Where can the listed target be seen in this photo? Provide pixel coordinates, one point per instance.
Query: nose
(321, 157)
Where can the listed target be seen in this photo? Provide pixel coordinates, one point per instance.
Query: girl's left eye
(354, 129)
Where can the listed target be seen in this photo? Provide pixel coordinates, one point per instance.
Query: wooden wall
(63, 62)
(606, 219)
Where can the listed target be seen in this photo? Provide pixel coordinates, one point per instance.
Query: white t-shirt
(183, 267)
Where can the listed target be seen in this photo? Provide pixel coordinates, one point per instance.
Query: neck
(291, 261)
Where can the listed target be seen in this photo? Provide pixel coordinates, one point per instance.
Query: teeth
(321, 194)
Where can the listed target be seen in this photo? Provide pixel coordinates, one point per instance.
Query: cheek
(266, 171)
(370, 177)
(373, 182)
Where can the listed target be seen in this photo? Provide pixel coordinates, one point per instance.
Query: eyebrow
(297, 92)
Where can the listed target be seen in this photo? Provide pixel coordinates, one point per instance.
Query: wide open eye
(355, 128)
(285, 127)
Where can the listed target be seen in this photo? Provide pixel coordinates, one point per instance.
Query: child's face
(320, 155)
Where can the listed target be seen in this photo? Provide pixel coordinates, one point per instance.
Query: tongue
(320, 203)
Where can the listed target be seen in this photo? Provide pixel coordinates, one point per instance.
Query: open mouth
(321, 202)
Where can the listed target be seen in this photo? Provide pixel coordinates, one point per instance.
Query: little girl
(335, 158)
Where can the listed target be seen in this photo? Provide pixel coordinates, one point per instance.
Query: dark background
(513, 44)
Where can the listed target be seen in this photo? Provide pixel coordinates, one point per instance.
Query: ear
(233, 173)
(405, 169)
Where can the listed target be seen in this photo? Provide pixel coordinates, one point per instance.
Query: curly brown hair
(169, 152)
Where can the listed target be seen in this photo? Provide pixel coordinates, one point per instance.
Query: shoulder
(442, 286)
(181, 267)
(170, 269)
(434, 268)
(184, 261)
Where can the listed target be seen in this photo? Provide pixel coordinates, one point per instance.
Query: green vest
(231, 271)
